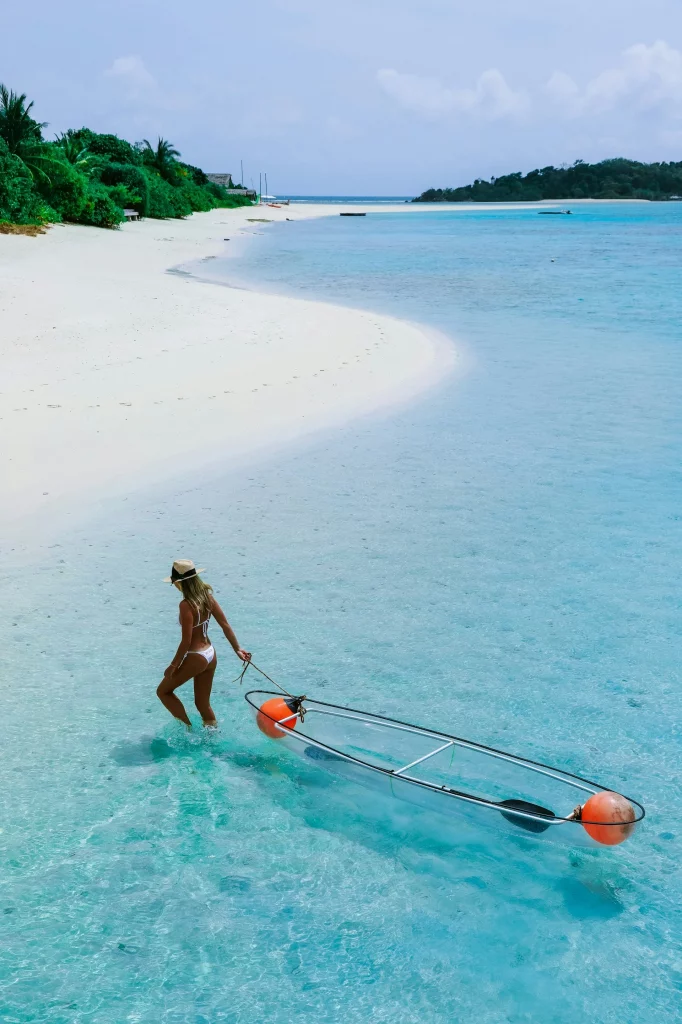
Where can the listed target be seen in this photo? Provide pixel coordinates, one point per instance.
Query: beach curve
(118, 374)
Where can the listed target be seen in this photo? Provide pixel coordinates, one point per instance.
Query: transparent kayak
(432, 769)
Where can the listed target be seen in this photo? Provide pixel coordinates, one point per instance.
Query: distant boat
(352, 214)
(555, 213)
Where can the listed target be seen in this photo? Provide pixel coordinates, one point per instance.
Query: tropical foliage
(17, 127)
(90, 178)
(73, 149)
(19, 202)
(161, 158)
(610, 179)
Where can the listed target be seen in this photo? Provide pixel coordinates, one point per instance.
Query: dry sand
(116, 373)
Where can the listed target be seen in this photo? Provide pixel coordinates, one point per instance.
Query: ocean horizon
(499, 559)
(343, 199)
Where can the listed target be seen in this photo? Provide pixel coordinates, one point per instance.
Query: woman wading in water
(195, 658)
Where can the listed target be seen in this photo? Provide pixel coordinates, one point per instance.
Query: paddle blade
(529, 824)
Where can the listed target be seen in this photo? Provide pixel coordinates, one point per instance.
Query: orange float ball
(608, 818)
(274, 710)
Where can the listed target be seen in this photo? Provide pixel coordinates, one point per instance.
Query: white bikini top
(203, 624)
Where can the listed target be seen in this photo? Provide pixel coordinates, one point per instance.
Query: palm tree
(74, 151)
(17, 127)
(23, 135)
(162, 159)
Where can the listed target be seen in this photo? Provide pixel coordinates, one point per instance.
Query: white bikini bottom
(205, 652)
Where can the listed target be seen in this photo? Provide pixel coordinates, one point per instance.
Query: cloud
(648, 78)
(490, 98)
(134, 76)
(562, 88)
(131, 78)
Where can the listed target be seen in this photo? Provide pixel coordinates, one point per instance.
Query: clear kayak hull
(433, 770)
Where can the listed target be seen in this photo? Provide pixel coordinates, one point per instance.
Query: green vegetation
(610, 179)
(89, 178)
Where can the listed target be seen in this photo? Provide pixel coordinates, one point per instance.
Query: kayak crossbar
(399, 771)
(465, 744)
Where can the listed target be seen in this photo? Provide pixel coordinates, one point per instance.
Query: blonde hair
(197, 593)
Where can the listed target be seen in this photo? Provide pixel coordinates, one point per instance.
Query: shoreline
(118, 377)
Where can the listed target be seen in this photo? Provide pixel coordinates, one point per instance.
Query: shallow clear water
(500, 560)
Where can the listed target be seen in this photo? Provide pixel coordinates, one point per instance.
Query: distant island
(610, 179)
(91, 178)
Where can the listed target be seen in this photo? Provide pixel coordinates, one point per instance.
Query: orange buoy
(275, 710)
(608, 818)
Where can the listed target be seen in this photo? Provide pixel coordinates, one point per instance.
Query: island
(609, 179)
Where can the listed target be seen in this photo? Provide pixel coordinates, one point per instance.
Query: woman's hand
(169, 671)
(244, 655)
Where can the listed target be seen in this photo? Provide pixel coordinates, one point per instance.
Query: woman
(195, 658)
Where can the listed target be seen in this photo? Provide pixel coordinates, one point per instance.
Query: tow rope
(295, 703)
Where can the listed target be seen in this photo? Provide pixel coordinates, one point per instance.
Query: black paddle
(319, 754)
(529, 824)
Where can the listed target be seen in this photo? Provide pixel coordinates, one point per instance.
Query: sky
(368, 97)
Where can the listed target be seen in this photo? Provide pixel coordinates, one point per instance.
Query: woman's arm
(186, 625)
(219, 616)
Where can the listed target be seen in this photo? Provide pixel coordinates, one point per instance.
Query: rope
(298, 701)
(249, 664)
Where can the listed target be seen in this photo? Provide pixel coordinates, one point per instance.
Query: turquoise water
(501, 559)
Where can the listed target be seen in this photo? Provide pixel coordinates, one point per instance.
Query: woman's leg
(189, 668)
(202, 693)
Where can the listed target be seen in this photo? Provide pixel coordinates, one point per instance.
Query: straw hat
(183, 569)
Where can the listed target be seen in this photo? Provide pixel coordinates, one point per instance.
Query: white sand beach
(116, 373)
